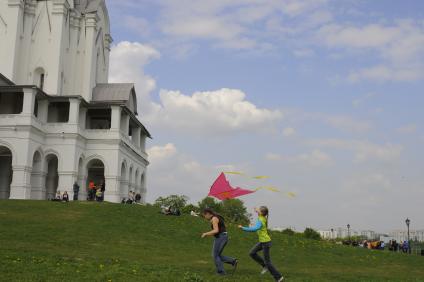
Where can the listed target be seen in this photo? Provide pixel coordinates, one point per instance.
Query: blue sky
(323, 96)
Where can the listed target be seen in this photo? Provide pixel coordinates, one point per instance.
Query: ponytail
(265, 212)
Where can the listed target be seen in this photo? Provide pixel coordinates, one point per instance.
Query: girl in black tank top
(221, 226)
(219, 231)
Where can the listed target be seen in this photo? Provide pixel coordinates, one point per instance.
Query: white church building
(61, 122)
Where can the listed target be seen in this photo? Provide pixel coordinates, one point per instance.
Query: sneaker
(281, 279)
(235, 264)
(264, 270)
(221, 273)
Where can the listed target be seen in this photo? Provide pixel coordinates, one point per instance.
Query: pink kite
(221, 189)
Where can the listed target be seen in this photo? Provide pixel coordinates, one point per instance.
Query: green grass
(47, 241)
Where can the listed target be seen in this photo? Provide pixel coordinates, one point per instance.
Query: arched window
(39, 77)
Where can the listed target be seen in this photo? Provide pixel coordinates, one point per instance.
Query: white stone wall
(32, 142)
(50, 37)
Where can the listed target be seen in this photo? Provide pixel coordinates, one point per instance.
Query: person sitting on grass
(58, 196)
(219, 231)
(261, 228)
(65, 197)
(138, 198)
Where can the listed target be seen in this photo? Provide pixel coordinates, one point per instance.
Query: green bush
(174, 201)
(288, 231)
(190, 207)
(310, 233)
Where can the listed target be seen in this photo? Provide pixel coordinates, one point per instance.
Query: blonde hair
(264, 212)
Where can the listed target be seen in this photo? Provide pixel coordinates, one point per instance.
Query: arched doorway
(37, 192)
(6, 172)
(52, 176)
(95, 172)
(124, 181)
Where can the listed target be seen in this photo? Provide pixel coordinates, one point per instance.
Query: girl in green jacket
(264, 244)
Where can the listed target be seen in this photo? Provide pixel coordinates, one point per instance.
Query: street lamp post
(408, 221)
(348, 231)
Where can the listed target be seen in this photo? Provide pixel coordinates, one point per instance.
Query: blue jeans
(218, 247)
(266, 261)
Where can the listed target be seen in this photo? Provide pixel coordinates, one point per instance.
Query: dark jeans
(218, 247)
(75, 196)
(266, 261)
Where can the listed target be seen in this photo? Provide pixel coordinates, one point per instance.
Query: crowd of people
(133, 198)
(96, 192)
(169, 210)
(394, 246)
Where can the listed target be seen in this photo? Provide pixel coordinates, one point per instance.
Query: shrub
(288, 231)
(310, 233)
(174, 201)
(190, 207)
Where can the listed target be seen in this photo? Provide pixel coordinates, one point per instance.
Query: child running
(261, 228)
(221, 239)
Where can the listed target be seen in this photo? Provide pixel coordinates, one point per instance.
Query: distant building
(402, 235)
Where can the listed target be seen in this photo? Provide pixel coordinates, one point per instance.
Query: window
(58, 112)
(11, 103)
(41, 84)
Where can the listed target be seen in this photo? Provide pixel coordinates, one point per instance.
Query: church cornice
(30, 8)
(60, 7)
(16, 3)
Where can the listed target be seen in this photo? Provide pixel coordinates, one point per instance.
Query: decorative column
(89, 77)
(136, 136)
(112, 193)
(43, 109)
(115, 118)
(29, 101)
(82, 117)
(125, 123)
(10, 48)
(21, 183)
(74, 105)
(66, 182)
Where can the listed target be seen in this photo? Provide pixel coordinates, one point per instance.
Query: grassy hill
(46, 241)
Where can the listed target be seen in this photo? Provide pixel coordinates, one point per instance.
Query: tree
(174, 201)
(311, 234)
(190, 207)
(288, 231)
(210, 203)
(233, 210)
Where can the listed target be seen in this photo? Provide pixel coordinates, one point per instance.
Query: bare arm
(215, 229)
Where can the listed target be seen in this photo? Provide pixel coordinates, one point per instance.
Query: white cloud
(383, 73)
(159, 153)
(210, 112)
(399, 46)
(273, 157)
(340, 122)
(304, 53)
(289, 131)
(407, 129)
(235, 24)
(363, 150)
(127, 62)
(316, 158)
